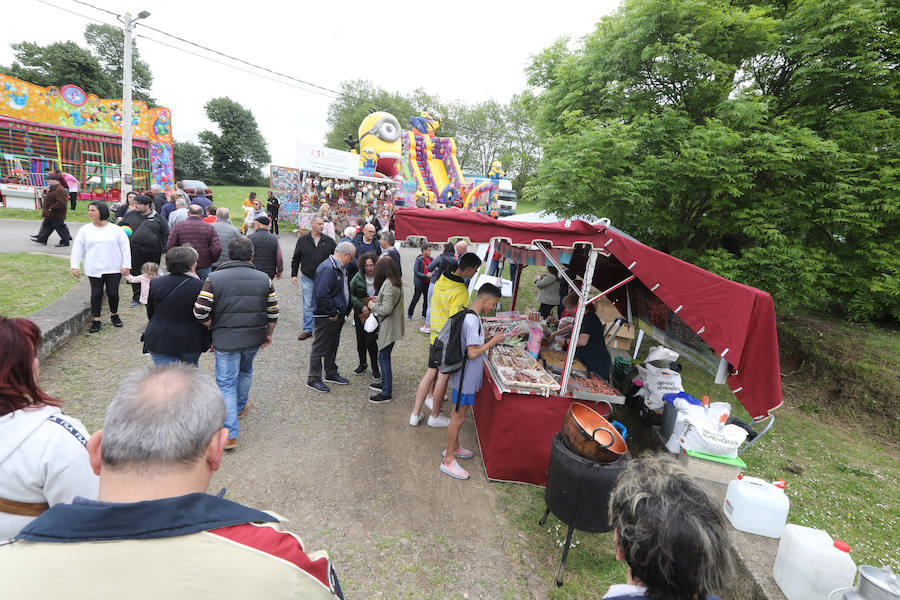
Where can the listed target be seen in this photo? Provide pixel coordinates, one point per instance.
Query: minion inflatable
(496, 173)
(369, 161)
(379, 134)
(426, 123)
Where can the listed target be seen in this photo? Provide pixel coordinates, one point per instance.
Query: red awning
(735, 320)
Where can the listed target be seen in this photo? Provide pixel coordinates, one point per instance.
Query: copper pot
(589, 435)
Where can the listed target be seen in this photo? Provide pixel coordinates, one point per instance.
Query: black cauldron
(578, 492)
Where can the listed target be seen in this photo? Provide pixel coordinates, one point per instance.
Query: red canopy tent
(735, 320)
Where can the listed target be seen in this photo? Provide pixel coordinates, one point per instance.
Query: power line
(72, 12)
(115, 14)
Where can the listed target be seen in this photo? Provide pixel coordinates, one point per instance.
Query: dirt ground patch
(351, 477)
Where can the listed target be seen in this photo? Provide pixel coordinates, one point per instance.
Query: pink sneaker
(454, 470)
(460, 453)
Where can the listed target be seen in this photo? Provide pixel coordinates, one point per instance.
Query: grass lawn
(79, 215)
(29, 282)
(841, 477)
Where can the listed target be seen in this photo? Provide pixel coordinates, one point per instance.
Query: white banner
(327, 161)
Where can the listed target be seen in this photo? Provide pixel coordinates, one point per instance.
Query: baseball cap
(144, 199)
(262, 219)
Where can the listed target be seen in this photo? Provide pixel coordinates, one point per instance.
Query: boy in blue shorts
(462, 393)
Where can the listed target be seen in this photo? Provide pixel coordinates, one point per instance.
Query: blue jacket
(363, 247)
(419, 274)
(445, 263)
(329, 299)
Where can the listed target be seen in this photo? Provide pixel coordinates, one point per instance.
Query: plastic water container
(810, 565)
(757, 506)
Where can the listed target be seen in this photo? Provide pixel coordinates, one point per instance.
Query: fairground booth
(725, 327)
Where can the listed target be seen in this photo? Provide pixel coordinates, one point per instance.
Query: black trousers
(366, 343)
(324, 348)
(546, 309)
(73, 198)
(274, 220)
(419, 292)
(48, 226)
(111, 282)
(137, 261)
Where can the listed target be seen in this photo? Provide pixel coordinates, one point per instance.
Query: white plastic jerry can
(810, 565)
(757, 506)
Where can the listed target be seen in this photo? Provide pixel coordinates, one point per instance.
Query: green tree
(60, 63)
(758, 141)
(191, 161)
(108, 43)
(100, 72)
(238, 152)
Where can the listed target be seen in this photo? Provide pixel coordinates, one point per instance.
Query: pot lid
(885, 578)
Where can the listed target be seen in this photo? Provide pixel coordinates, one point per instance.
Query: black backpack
(452, 348)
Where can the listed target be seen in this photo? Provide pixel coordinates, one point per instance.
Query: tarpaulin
(735, 320)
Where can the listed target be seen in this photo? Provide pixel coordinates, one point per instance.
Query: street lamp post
(127, 177)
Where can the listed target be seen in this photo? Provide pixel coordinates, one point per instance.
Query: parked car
(192, 185)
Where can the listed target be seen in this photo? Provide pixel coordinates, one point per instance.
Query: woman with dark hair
(107, 256)
(669, 533)
(590, 347)
(173, 333)
(43, 460)
(126, 206)
(388, 309)
(362, 290)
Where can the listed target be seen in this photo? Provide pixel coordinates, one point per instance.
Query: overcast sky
(468, 51)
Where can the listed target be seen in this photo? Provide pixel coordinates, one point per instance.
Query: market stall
(722, 325)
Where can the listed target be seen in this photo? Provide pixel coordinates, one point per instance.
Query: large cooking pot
(874, 584)
(589, 435)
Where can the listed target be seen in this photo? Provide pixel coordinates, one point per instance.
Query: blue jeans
(384, 363)
(494, 270)
(203, 273)
(191, 358)
(428, 312)
(234, 373)
(307, 286)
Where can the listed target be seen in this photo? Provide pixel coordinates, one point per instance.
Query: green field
(29, 282)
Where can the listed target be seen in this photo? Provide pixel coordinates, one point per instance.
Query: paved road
(352, 478)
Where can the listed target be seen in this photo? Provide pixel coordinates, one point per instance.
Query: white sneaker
(425, 329)
(439, 421)
(414, 420)
(454, 470)
(429, 402)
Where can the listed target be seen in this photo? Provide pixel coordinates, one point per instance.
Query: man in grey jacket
(226, 232)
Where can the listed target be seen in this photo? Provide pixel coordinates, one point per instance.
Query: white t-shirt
(104, 250)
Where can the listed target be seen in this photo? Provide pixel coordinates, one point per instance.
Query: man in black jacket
(266, 249)
(331, 304)
(150, 232)
(310, 251)
(56, 201)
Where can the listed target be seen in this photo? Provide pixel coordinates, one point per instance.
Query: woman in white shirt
(107, 256)
(43, 460)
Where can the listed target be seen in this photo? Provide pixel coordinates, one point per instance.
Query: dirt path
(351, 477)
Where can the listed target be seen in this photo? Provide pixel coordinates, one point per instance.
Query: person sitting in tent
(590, 348)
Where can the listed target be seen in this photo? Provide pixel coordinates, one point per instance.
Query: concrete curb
(65, 318)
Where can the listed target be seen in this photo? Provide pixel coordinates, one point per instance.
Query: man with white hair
(179, 214)
(387, 248)
(159, 198)
(331, 305)
(309, 252)
(154, 531)
(226, 232)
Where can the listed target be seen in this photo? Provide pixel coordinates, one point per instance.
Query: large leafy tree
(238, 152)
(191, 161)
(98, 72)
(108, 44)
(758, 141)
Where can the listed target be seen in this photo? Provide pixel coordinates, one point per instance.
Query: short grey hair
(162, 417)
(223, 214)
(388, 236)
(317, 217)
(349, 232)
(155, 188)
(180, 202)
(345, 248)
(240, 249)
(672, 535)
(180, 259)
(195, 210)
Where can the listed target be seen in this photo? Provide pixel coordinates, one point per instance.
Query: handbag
(163, 303)
(372, 322)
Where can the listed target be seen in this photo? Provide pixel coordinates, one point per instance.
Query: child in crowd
(149, 270)
(463, 392)
(210, 214)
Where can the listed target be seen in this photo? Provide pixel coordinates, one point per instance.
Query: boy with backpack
(463, 345)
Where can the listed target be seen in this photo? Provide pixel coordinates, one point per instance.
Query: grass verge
(78, 216)
(29, 282)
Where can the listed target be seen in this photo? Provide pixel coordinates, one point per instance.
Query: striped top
(203, 308)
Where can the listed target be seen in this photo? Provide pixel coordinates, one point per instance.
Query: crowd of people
(144, 477)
